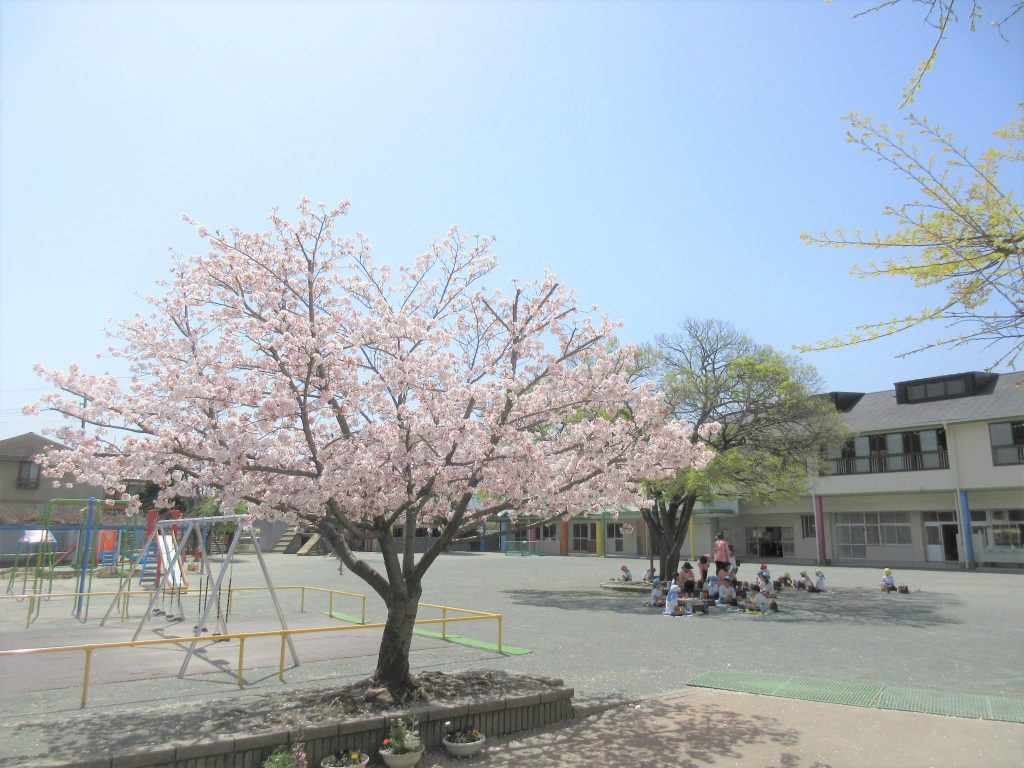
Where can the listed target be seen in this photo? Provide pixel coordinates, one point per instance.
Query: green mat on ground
(470, 642)
(866, 695)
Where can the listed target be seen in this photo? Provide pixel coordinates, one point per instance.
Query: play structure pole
(215, 594)
(80, 600)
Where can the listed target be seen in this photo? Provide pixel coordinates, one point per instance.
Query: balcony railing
(896, 462)
(1007, 454)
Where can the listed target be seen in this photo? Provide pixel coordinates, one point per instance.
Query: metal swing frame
(199, 524)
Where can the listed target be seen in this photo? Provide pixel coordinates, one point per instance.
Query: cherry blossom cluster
(288, 369)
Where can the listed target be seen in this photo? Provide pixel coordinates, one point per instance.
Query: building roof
(25, 447)
(879, 411)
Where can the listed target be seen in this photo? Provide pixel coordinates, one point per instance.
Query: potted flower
(346, 759)
(462, 742)
(402, 748)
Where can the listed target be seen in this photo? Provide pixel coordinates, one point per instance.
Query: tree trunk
(669, 562)
(670, 523)
(393, 656)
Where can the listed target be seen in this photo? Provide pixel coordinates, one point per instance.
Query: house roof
(879, 411)
(25, 447)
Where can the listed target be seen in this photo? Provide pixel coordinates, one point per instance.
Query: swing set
(167, 538)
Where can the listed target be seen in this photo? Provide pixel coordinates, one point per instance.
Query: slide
(168, 548)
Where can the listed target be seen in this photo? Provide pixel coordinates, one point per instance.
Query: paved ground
(957, 632)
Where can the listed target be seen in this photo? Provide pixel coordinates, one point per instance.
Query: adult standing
(721, 553)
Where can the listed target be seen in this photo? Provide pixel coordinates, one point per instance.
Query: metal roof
(879, 411)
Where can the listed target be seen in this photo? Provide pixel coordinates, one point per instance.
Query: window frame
(28, 474)
(1007, 454)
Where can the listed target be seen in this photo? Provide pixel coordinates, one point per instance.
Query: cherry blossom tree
(288, 370)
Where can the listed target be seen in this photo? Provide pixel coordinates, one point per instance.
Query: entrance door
(584, 537)
(933, 550)
(949, 547)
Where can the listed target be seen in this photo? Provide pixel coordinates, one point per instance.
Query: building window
(584, 537)
(999, 527)
(807, 526)
(856, 531)
(770, 541)
(1007, 442)
(28, 474)
(942, 388)
(549, 531)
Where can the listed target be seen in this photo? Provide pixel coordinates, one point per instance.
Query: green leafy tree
(773, 427)
(964, 233)
(942, 16)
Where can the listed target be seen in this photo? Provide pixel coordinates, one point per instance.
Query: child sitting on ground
(727, 592)
(649, 575)
(787, 580)
(765, 586)
(657, 596)
(687, 580)
(711, 588)
(672, 606)
(805, 582)
(757, 601)
(888, 582)
(819, 579)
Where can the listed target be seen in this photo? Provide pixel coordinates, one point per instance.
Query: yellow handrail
(90, 648)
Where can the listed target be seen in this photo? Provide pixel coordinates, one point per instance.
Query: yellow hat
(887, 570)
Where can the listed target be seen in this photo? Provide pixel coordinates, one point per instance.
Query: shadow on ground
(81, 737)
(846, 606)
(698, 742)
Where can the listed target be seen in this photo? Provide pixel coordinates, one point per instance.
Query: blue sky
(661, 158)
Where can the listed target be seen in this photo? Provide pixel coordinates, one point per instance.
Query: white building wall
(972, 451)
(887, 482)
(1012, 498)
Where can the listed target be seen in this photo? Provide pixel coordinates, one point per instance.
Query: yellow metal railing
(283, 634)
(229, 591)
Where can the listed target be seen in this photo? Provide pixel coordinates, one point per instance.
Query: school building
(932, 474)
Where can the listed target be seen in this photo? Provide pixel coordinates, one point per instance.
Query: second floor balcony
(896, 462)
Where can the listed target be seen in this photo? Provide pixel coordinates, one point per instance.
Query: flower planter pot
(404, 760)
(464, 749)
(364, 760)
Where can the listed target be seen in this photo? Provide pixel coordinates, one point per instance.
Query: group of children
(722, 589)
(725, 589)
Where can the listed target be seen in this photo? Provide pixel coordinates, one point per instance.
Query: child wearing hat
(819, 579)
(888, 582)
(657, 598)
(672, 600)
(627, 575)
(805, 582)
